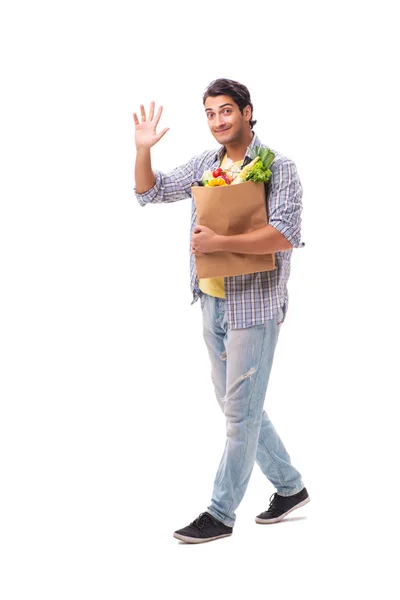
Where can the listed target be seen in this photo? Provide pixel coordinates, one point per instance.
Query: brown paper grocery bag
(229, 210)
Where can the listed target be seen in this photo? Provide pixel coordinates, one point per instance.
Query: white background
(110, 432)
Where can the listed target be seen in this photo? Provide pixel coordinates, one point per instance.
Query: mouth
(222, 130)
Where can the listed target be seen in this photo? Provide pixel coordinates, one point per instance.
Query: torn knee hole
(249, 372)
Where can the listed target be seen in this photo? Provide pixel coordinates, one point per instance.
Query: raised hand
(146, 135)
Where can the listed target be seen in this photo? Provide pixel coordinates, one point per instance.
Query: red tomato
(217, 172)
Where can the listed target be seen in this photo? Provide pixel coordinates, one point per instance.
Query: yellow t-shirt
(214, 286)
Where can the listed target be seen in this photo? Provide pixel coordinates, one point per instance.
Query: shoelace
(273, 501)
(202, 520)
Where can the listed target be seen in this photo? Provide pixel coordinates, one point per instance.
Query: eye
(210, 114)
(227, 110)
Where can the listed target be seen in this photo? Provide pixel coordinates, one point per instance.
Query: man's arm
(155, 187)
(284, 201)
(144, 176)
(169, 187)
(146, 136)
(262, 241)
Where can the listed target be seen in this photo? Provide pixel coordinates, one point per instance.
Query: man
(242, 315)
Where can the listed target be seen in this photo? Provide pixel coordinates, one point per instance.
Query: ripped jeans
(241, 361)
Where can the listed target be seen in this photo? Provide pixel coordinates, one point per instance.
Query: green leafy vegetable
(261, 171)
(258, 173)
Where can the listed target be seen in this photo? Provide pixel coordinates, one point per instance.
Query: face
(227, 124)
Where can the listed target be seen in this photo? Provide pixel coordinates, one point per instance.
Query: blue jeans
(241, 361)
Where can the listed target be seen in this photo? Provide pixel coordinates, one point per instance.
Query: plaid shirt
(255, 298)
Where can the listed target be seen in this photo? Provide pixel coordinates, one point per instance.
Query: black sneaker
(203, 529)
(280, 506)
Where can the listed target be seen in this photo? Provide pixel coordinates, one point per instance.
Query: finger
(143, 113)
(158, 116)
(136, 120)
(196, 250)
(151, 111)
(163, 132)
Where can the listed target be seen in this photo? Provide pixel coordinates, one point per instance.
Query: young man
(242, 315)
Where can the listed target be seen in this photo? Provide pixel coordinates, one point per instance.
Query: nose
(219, 121)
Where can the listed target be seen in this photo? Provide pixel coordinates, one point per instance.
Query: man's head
(229, 111)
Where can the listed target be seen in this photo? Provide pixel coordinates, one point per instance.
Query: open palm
(146, 130)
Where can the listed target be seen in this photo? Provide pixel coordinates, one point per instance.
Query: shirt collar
(255, 141)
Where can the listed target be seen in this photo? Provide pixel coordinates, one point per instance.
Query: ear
(247, 113)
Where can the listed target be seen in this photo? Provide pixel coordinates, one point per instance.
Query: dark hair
(237, 91)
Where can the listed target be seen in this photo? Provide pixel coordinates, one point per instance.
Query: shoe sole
(190, 540)
(277, 519)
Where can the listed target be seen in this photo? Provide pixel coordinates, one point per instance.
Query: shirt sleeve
(171, 186)
(284, 201)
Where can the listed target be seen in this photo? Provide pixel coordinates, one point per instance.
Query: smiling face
(227, 124)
